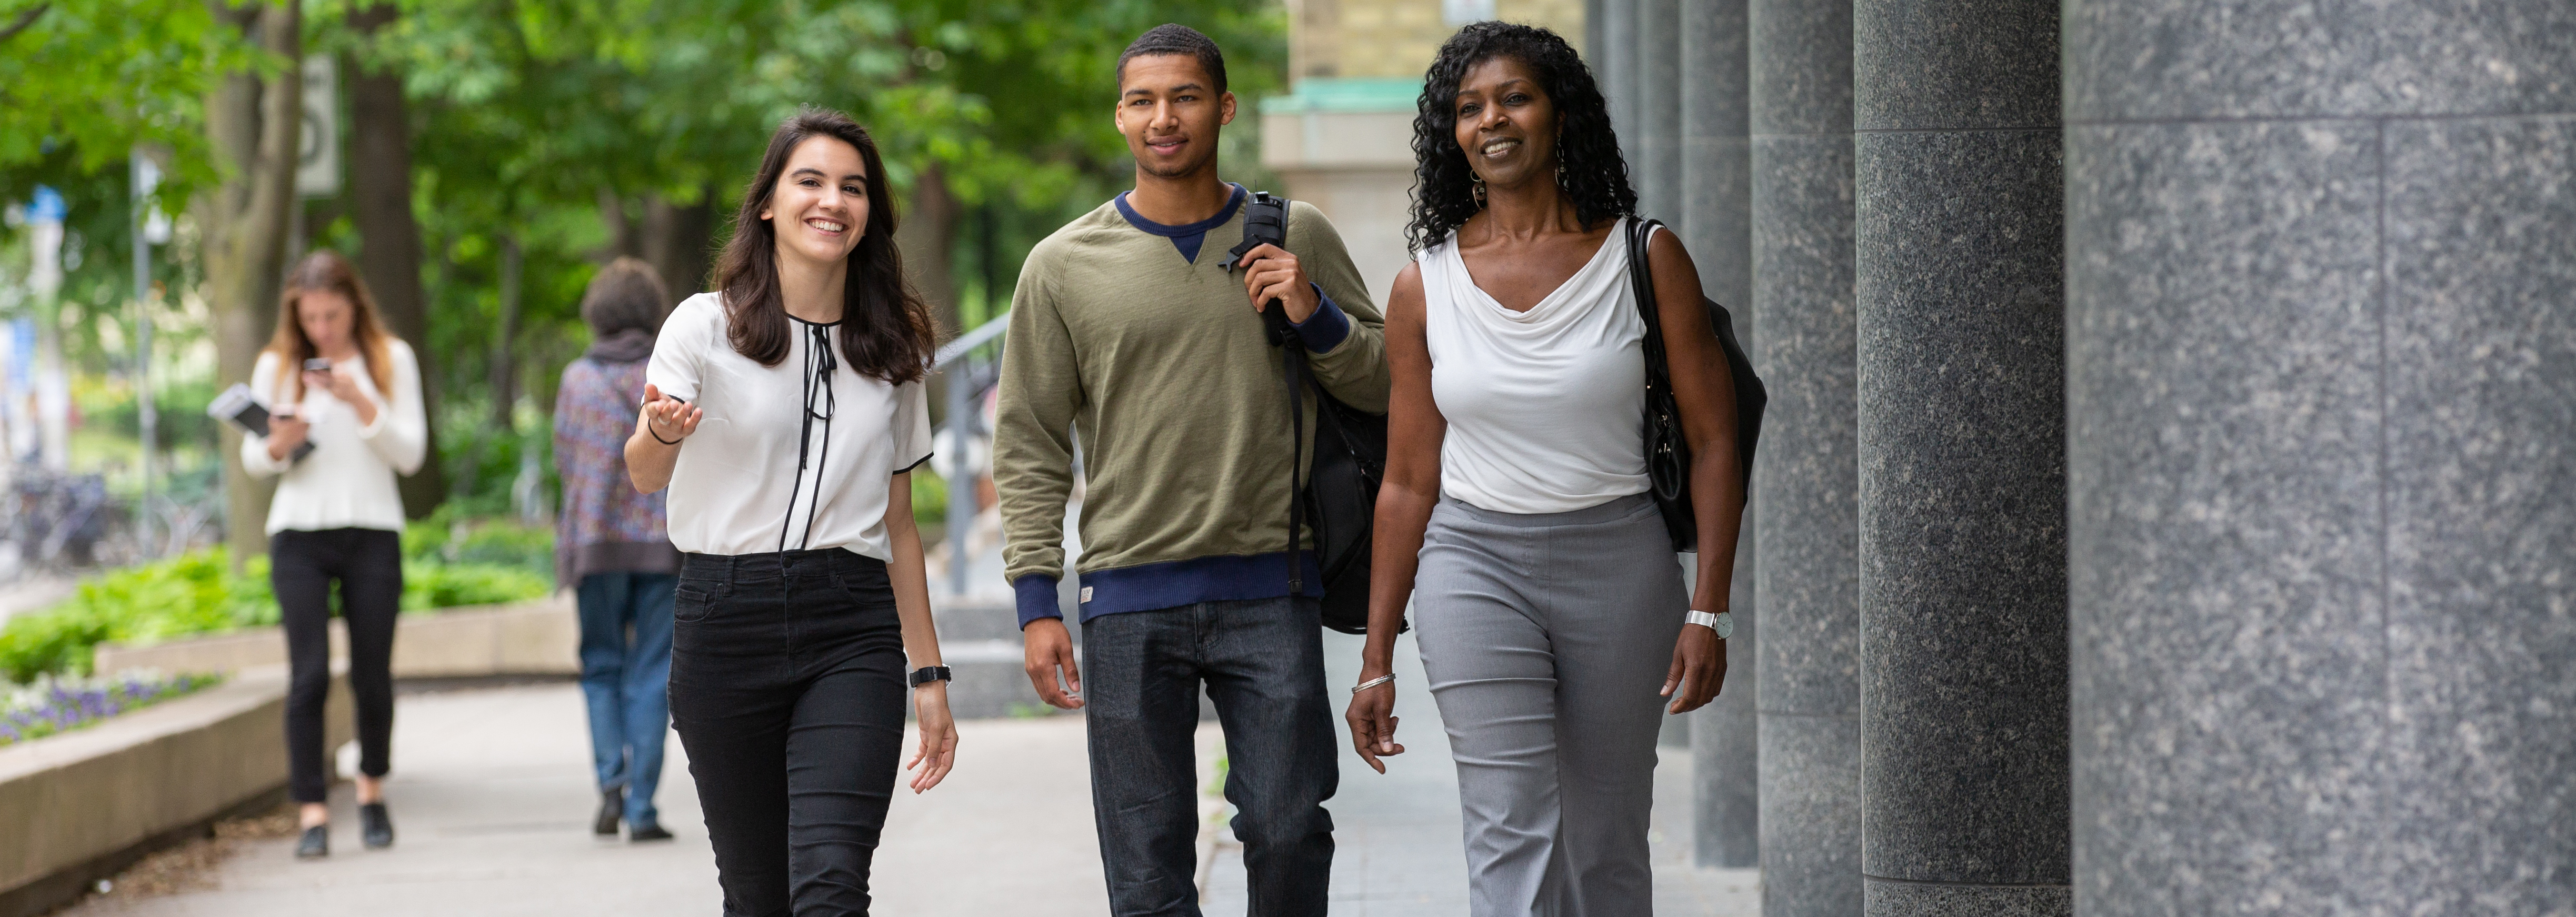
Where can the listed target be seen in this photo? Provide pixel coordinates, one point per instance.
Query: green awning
(1346, 94)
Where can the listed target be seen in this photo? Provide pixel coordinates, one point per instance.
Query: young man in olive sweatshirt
(1132, 326)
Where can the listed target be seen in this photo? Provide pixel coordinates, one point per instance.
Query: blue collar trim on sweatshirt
(1186, 238)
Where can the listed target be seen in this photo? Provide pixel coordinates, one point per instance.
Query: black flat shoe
(375, 827)
(645, 833)
(612, 802)
(315, 844)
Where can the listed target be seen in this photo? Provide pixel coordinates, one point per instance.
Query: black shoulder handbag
(1350, 454)
(1667, 450)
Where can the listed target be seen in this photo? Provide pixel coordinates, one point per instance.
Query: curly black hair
(1596, 177)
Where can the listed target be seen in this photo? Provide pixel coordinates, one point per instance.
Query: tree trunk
(675, 242)
(623, 236)
(504, 370)
(928, 234)
(253, 124)
(389, 251)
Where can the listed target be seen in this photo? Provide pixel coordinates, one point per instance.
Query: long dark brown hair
(886, 330)
(327, 270)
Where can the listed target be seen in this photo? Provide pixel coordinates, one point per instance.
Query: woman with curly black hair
(1516, 489)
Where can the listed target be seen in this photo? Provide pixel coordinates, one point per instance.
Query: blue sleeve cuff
(1325, 329)
(1036, 596)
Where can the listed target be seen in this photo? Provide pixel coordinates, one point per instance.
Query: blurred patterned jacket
(605, 525)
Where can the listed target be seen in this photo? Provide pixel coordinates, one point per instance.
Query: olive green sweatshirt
(1157, 364)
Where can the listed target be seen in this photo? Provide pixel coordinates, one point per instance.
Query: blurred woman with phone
(333, 377)
(785, 412)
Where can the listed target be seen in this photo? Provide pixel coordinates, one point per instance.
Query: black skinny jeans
(787, 687)
(368, 565)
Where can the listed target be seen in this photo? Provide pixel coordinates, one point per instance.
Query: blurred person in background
(786, 413)
(333, 377)
(612, 549)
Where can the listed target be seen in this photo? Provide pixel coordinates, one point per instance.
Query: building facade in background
(1342, 140)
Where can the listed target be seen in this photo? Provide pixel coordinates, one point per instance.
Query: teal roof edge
(1346, 94)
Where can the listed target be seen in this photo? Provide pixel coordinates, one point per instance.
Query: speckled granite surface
(1715, 224)
(1799, 114)
(1961, 446)
(2322, 383)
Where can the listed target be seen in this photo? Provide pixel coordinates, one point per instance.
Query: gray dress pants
(1546, 639)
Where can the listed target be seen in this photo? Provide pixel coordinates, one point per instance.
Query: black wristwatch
(930, 673)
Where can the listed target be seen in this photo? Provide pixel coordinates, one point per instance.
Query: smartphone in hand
(317, 365)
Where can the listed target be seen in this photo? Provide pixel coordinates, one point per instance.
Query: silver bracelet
(1371, 683)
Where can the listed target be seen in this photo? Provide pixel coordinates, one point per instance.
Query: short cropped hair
(627, 293)
(1175, 38)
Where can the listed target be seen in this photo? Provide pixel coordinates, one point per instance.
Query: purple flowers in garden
(50, 705)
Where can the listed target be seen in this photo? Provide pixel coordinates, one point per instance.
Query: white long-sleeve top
(348, 481)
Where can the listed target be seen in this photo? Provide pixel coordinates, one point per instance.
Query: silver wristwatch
(1722, 622)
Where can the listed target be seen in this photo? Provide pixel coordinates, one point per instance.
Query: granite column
(1805, 479)
(2321, 382)
(1958, 284)
(1615, 69)
(1657, 168)
(1714, 223)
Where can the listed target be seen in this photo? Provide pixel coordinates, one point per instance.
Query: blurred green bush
(444, 566)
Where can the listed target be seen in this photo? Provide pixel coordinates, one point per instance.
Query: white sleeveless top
(1546, 408)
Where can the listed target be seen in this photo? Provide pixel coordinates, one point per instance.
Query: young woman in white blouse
(1551, 615)
(341, 385)
(785, 411)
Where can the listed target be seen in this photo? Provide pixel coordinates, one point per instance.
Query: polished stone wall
(1799, 106)
(2322, 403)
(1715, 224)
(1957, 252)
(1614, 67)
(1657, 169)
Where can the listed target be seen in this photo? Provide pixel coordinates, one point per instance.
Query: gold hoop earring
(1479, 187)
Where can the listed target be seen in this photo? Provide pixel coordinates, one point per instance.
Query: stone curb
(85, 804)
(539, 637)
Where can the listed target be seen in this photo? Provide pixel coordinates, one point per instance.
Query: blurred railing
(970, 366)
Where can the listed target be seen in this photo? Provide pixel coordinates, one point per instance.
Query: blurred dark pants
(625, 679)
(787, 685)
(367, 563)
(1263, 662)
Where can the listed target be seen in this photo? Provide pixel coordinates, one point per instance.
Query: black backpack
(1350, 454)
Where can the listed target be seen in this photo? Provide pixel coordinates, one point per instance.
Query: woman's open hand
(1699, 669)
(938, 751)
(1372, 718)
(670, 419)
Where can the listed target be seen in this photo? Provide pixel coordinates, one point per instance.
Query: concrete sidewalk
(492, 801)
(1398, 849)
(491, 798)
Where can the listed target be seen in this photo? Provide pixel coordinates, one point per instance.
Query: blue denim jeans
(625, 677)
(1263, 663)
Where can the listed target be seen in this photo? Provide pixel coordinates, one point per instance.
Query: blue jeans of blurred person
(626, 677)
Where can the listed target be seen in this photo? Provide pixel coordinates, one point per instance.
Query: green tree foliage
(553, 123)
(97, 77)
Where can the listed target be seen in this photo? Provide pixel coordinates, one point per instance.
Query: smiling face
(819, 207)
(326, 317)
(1505, 123)
(1170, 111)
